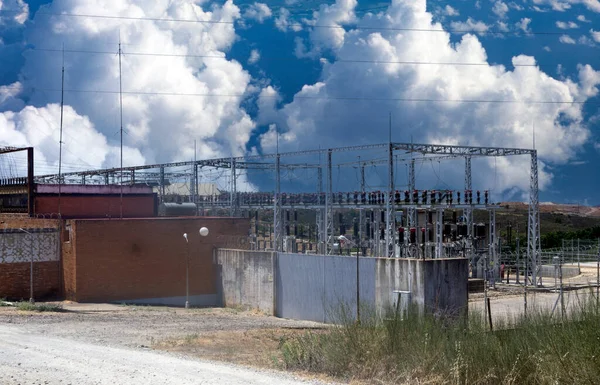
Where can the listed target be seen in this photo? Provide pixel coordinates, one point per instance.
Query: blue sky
(290, 71)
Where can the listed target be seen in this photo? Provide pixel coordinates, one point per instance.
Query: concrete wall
(317, 287)
(247, 279)
(144, 260)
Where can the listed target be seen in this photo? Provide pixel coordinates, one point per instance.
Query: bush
(422, 348)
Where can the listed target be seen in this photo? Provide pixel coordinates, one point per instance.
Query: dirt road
(107, 344)
(27, 358)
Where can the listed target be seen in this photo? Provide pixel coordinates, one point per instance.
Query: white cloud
(159, 121)
(547, 49)
(584, 40)
(283, 23)
(595, 35)
(84, 147)
(449, 11)
(259, 12)
(322, 39)
(320, 111)
(583, 19)
(13, 12)
(566, 39)
(523, 24)
(469, 25)
(515, 6)
(254, 56)
(563, 5)
(500, 9)
(566, 25)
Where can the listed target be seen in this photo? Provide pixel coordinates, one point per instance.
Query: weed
(424, 348)
(39, 307)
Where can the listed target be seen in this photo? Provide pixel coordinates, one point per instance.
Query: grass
(39, 307)
(538, 349)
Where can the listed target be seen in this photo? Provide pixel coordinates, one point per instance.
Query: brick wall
(116, 260)
(14, 280)
(97, 206)
(14, 277)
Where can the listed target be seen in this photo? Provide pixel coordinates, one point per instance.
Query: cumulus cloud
(84, 147)
(259, 12)
(283, 22)
(500, 9)
(449, 11)
(583, 19)
(469, 25)
(436, 103)
(254, 56)
(566, 39)
(566, 25)
(13, 12)
(334, 16)
(523, 24)
(168, 101)
(563, 5)
(595, 35)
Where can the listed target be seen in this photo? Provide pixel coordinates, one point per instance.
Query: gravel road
(108, 344)
(28, 358)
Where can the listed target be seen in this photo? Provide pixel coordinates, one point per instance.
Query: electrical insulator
(478, 197)
(415, 197)
(355, 197)
(432, 197)
(397, 197)
(363, 198)
(382, 234)
(458, 197)
(439, 197)
(424, 197)
(449, 196)
(401, 235)
(406, 199)
(413, 235)
(486, 196)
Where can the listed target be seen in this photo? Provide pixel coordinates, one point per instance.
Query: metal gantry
(324, 203)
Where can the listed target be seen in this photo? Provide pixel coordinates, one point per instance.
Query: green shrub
(39, 307)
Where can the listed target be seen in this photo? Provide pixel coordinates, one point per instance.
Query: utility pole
(121, 131)
(60, 140)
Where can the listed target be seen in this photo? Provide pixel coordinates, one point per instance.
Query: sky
(235, 75)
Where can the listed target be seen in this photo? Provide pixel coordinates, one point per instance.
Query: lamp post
(30, 265)
(203, 232)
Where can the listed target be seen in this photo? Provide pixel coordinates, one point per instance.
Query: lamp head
(203, 231)
(185, 236)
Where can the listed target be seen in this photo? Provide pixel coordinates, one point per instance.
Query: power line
(342, 60)
(347, 98)
(335, 26)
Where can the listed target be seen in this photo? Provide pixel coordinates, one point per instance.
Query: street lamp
(203, 232)
(30, 266)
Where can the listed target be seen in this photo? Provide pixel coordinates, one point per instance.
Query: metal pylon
(412, 212)
(439, 226)
(233, 195)
(328, 206)
(320, 214)
(468, 213)
(493, 247)
(533, 224)
(390, 234)
(277, 230)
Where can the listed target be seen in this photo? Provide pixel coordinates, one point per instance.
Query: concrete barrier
(309, 287)
(248, 279)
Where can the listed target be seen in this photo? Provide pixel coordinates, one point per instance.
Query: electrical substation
(411, 222)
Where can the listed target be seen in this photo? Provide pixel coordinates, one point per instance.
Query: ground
(118, 344)
(114, 344)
